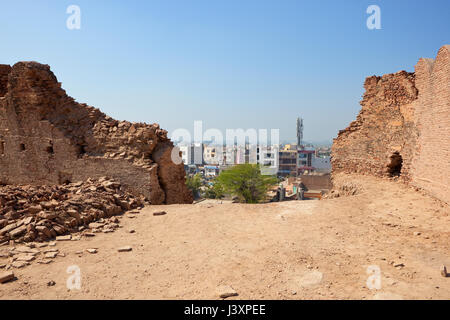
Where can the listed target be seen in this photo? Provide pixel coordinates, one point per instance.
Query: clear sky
(233, 64)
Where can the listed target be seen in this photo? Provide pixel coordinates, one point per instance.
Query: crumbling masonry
(403, 128)
(46, 137)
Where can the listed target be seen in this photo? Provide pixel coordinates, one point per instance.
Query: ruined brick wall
(403, 116)
(46, 138)
(385, 125)
(4, 72)
(431, 168)
(316, 182)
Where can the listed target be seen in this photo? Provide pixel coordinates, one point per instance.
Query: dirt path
(290, 250)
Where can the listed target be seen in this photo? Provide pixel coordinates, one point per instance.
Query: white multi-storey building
(191, 153)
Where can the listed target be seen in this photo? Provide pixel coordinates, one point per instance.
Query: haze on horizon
(231, 64)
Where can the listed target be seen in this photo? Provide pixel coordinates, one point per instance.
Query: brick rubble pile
(39, 213)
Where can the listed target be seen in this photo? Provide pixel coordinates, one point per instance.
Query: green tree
(215, 191)
(194, 182)
(246, 182)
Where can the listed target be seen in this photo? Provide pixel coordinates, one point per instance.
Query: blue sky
(233, 64)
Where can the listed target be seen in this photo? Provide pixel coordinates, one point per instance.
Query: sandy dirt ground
(291, 250)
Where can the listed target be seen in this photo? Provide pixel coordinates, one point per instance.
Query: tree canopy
(194, 182)
(246, 182)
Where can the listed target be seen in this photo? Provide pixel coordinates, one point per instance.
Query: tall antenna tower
(299, 132)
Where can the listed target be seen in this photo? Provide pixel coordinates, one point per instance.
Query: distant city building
(241, 154)
(191, 153)
(323, 152)
(212, 171)
(211, 154)
(304, 162)
(287, 160)
(322, 164)
(266, 155)
(229, 156)
(185, 154)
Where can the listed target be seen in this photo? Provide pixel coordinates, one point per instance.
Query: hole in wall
(22, 147)
(2, 148)
(81, 150)
(395, 166)
(49, 149)
(64, 177)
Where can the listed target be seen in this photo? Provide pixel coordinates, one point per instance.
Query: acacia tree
(246, 182)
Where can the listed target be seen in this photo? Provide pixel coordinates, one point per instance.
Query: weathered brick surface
(46, 137)
(316, 182)
(4, 71)
(408, 114)
(431, 168)
(384, 125)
